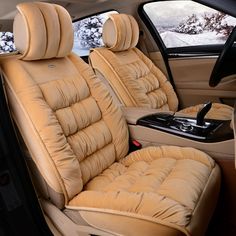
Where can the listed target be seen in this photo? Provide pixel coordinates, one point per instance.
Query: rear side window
(6, 42)
(88, 33)
(187, 23)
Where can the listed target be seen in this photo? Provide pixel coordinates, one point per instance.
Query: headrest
(120, 32)
(42, 31)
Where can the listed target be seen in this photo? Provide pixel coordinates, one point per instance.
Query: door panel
(190, 41)
(191, 77)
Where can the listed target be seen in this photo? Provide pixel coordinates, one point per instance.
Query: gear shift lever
(202, 112)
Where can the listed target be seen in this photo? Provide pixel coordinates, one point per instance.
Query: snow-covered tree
(214, 22)
(6, 42)
(218, 22)
(193, 25)
(89, 32)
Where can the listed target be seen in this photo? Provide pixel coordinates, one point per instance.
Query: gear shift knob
(202, 112)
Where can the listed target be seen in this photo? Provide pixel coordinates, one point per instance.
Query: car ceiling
(227, 6)
(8, 8)
(81, 8)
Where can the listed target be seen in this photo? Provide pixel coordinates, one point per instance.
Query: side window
(187, 23)
(6, 42)
(88, 33)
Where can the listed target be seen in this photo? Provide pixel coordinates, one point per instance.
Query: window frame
(157, 38)
(206, 51)
(177, 52)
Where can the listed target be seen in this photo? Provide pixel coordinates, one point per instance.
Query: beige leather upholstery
(218, 111)
(134, 78)
(78, 140)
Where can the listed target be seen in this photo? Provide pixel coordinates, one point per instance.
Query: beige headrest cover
(42, 31)
(120, 32)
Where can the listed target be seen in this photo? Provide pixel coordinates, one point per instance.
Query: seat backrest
(134, 78)
(66, 116)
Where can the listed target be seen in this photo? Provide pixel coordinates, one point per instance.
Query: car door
(190, 37)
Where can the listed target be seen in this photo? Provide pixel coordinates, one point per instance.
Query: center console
(209, 131)
(199, 129)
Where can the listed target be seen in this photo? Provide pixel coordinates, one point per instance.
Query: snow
(187, 23)
(229, 20)
(78, 50)
(173, 12)
(88, 33)
(173, 39)
(203, 29)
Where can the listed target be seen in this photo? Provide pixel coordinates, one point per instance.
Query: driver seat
(78, 140)
(135, 80)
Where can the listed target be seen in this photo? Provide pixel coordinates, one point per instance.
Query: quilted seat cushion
(73, 118)
(160, 183)
(134, 79)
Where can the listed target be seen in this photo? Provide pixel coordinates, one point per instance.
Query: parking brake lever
(202, 112)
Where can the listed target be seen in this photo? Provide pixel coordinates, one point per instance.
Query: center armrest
(133, 114)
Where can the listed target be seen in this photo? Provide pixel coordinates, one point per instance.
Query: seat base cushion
(218, 111)
(161, 187)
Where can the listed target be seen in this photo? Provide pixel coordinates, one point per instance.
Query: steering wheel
(217, 72)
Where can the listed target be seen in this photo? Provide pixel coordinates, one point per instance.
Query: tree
(192, 25)
(217, 22)
(89, 32)
(6, 42)
(213, 22)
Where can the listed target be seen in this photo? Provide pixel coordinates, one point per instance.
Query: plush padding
(217, 111)
(37, 36)
(159, 184)
(134, 78)
(120, 32)
(78, 139)
(67, 118)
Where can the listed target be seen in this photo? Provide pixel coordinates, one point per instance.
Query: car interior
(120, 133)
(142, 84)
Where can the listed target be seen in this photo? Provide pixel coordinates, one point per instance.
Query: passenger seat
(78, 139)
(136, 81)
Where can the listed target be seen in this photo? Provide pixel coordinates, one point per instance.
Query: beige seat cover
(78, 139)
(134, 78)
